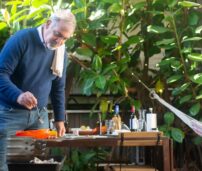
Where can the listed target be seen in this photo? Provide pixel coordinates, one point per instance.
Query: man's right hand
(27, 100)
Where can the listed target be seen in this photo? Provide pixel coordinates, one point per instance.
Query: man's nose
(60, 40)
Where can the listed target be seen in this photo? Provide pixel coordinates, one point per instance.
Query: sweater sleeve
(57, 95)
(9, 58)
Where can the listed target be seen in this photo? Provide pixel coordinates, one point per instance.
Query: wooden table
(132, 139)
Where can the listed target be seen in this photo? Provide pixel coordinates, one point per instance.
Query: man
(32, 68)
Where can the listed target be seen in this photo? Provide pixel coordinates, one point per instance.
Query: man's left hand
(60, 126)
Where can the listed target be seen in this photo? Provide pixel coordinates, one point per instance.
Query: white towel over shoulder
(58, 61)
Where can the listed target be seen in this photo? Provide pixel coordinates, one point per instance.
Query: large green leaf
(167, 132)
(123, 68)
(186, 50)
(88, 74)
(169, 118)
(199, 95)
(79, 13)
(84, 51)
(165, 129)
(2, 25)
(123, 64)
(188, 4)
(109, 1)
(26, 3)
(138, 6)
(175, 64)
(157, 29)
(168, 46)
(198, 30)
(70, 43)
(195, 57)
(23, 17)
(165, 41)
(197, 78)
(172, 3)
(180, 89)
(110, 39)
(88, 86)
(113, 79)
(96, 25)
(38, 3)
(177, 135)
(154, 13)
(134, 40)
(80, 3)
(185, 99)
(193, 18)
(192, 39)
(109, 68)
(167, 61)
(89, 38)
(194, 110)
(97, 63)
(14, 9)
(100, 82)
(115, 8)
(174, 78)
(114, 89)
(19, 14)
(80, 10)
(14, 3)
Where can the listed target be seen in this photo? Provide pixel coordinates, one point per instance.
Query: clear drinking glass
(141, 120)
(110, 126)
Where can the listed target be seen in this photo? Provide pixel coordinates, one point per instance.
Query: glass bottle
(117, 118)
(131, 120)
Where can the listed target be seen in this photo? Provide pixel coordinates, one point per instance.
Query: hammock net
(194, 124)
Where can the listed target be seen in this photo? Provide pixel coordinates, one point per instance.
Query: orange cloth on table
(38, 134)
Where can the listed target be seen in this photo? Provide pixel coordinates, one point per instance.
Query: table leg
(167, 155)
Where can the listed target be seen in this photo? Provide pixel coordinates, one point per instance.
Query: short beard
(50, 46)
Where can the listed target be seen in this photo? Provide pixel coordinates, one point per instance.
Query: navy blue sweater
(25, 66)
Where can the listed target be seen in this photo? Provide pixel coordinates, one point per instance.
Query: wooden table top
(123, 139)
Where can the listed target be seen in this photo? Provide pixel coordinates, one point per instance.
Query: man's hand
(27, 100)
(60, 127)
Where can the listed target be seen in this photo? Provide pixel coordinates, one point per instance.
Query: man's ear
(48, 23)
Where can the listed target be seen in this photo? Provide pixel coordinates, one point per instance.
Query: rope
(194, 124)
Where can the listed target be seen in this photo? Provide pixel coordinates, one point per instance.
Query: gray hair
(65, 15)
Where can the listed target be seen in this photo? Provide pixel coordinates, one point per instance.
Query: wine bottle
(133, 120)
(132, 116)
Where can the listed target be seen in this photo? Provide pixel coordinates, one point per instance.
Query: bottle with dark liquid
(132, 116)
(133, 123)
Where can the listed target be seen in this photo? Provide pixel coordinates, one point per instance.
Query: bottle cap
(151, 110)
(132, 109)
(116, 108)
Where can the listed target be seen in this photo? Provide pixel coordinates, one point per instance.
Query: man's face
(56, 33)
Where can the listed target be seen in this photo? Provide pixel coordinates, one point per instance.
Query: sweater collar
(39, 29)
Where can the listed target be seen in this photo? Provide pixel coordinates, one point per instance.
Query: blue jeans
(12, 120)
